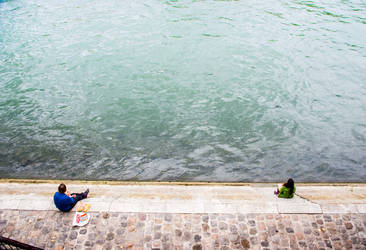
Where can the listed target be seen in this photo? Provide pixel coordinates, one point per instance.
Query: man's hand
(67, 193)
(74, 196)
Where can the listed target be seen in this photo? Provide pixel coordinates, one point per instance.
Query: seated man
(64, 201)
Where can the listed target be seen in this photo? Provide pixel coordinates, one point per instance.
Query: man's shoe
(86, 193)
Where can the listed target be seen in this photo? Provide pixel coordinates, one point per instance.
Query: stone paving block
(361, 208)
(36, 204)
(126, 206)
(219, 208)
(154, 207)
(9, 203)
(339, 208)
(306, 208)
(97, 206)
(185, 207)
(258, 207)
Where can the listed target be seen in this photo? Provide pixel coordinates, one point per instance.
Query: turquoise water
(183, 90)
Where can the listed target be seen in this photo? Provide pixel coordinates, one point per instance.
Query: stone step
(170, 198)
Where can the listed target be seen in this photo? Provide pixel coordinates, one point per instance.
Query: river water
(183, 90)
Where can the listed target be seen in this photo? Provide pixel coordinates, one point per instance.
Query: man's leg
(79, 197)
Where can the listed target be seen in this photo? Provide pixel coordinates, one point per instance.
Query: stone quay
(129, 215)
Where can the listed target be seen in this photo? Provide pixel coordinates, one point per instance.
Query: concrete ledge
(254, 198)
(250, 198)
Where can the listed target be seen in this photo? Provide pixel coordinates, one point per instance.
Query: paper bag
(81, 219)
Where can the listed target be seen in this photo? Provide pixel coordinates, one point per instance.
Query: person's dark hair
(290, 184)
(62, 188)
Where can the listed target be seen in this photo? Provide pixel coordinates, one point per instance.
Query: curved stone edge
(181, 183)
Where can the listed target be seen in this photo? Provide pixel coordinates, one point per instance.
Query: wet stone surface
(53, 230)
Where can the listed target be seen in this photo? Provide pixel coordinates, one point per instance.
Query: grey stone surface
(185, 231)
(193, 217)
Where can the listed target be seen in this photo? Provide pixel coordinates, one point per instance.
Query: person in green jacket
(286, 190)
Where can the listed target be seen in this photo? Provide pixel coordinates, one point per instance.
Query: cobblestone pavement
(53, 230)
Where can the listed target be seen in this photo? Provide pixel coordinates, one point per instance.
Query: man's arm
(70, 200)
(68, 194)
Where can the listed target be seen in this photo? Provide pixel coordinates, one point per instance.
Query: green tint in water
(183, 90)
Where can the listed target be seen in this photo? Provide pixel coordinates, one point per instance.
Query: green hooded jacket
(285, 192)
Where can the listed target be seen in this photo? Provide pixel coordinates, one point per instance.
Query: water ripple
(183, 90)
